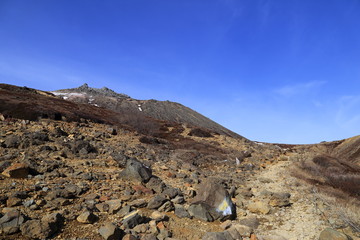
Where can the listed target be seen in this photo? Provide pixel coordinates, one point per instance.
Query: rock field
(71, 180)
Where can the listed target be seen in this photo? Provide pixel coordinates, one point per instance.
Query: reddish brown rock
(16, 170)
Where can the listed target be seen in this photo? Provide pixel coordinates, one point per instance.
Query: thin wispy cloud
(299, 89)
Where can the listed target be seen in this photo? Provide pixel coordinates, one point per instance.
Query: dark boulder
(212, 200)
(136, 171)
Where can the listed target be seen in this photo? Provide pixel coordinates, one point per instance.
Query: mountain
(89, 163)
(161, 110)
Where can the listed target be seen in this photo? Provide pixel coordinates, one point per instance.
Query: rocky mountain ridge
(161, 110)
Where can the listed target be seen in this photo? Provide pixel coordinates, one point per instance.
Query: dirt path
(301, 220)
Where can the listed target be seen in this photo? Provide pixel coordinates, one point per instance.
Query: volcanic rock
(181, 212)
(156, 202)
(43, 228)
(136, 171)
(16, 170)
(212, 202)
(132, 219)
(87, 217)
(110, 232)
(11, 221)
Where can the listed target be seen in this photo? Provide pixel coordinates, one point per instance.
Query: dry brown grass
(337, 183)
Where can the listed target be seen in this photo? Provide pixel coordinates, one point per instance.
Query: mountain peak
(95, 91)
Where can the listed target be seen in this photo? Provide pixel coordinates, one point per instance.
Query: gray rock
(138, 203)
(83, 147)
(171, 192)
(331, 234)
(114, 205)
(44, 228)
(71, 191)
(201, 211)
(33, 229)
(166, 207)
(4, 165)
(136, 171)
(156, 184)
(178, 200)
(244, 231)
(28, 203)
(181, 212)
(213, 198)
(251, 222)
(110, 232)
(12, 141)
(217, 236)
(234, 233)
(10, 223)
(124, 211)
(156, 202)
(87, 217)
(132, 219)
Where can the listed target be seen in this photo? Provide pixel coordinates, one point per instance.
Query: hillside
(72, 170)
(161, 110)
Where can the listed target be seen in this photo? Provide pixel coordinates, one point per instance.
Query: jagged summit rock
(85, 88)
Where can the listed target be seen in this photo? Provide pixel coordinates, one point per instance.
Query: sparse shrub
(349, 183)
(338, 182)
(151, 140)
(198, 132)
(333, 172)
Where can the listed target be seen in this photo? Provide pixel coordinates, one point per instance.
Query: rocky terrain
(77, 171)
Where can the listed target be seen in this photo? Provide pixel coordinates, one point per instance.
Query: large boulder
(136, 171)
(213, 202)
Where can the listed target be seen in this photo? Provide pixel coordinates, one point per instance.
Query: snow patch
(68, 94)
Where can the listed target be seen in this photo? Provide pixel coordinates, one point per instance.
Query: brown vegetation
(198, 132)
(336, 182)
(328, 171)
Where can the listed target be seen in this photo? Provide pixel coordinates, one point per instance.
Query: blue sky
(276, 71)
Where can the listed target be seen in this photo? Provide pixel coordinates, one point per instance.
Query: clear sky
(276, 71)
